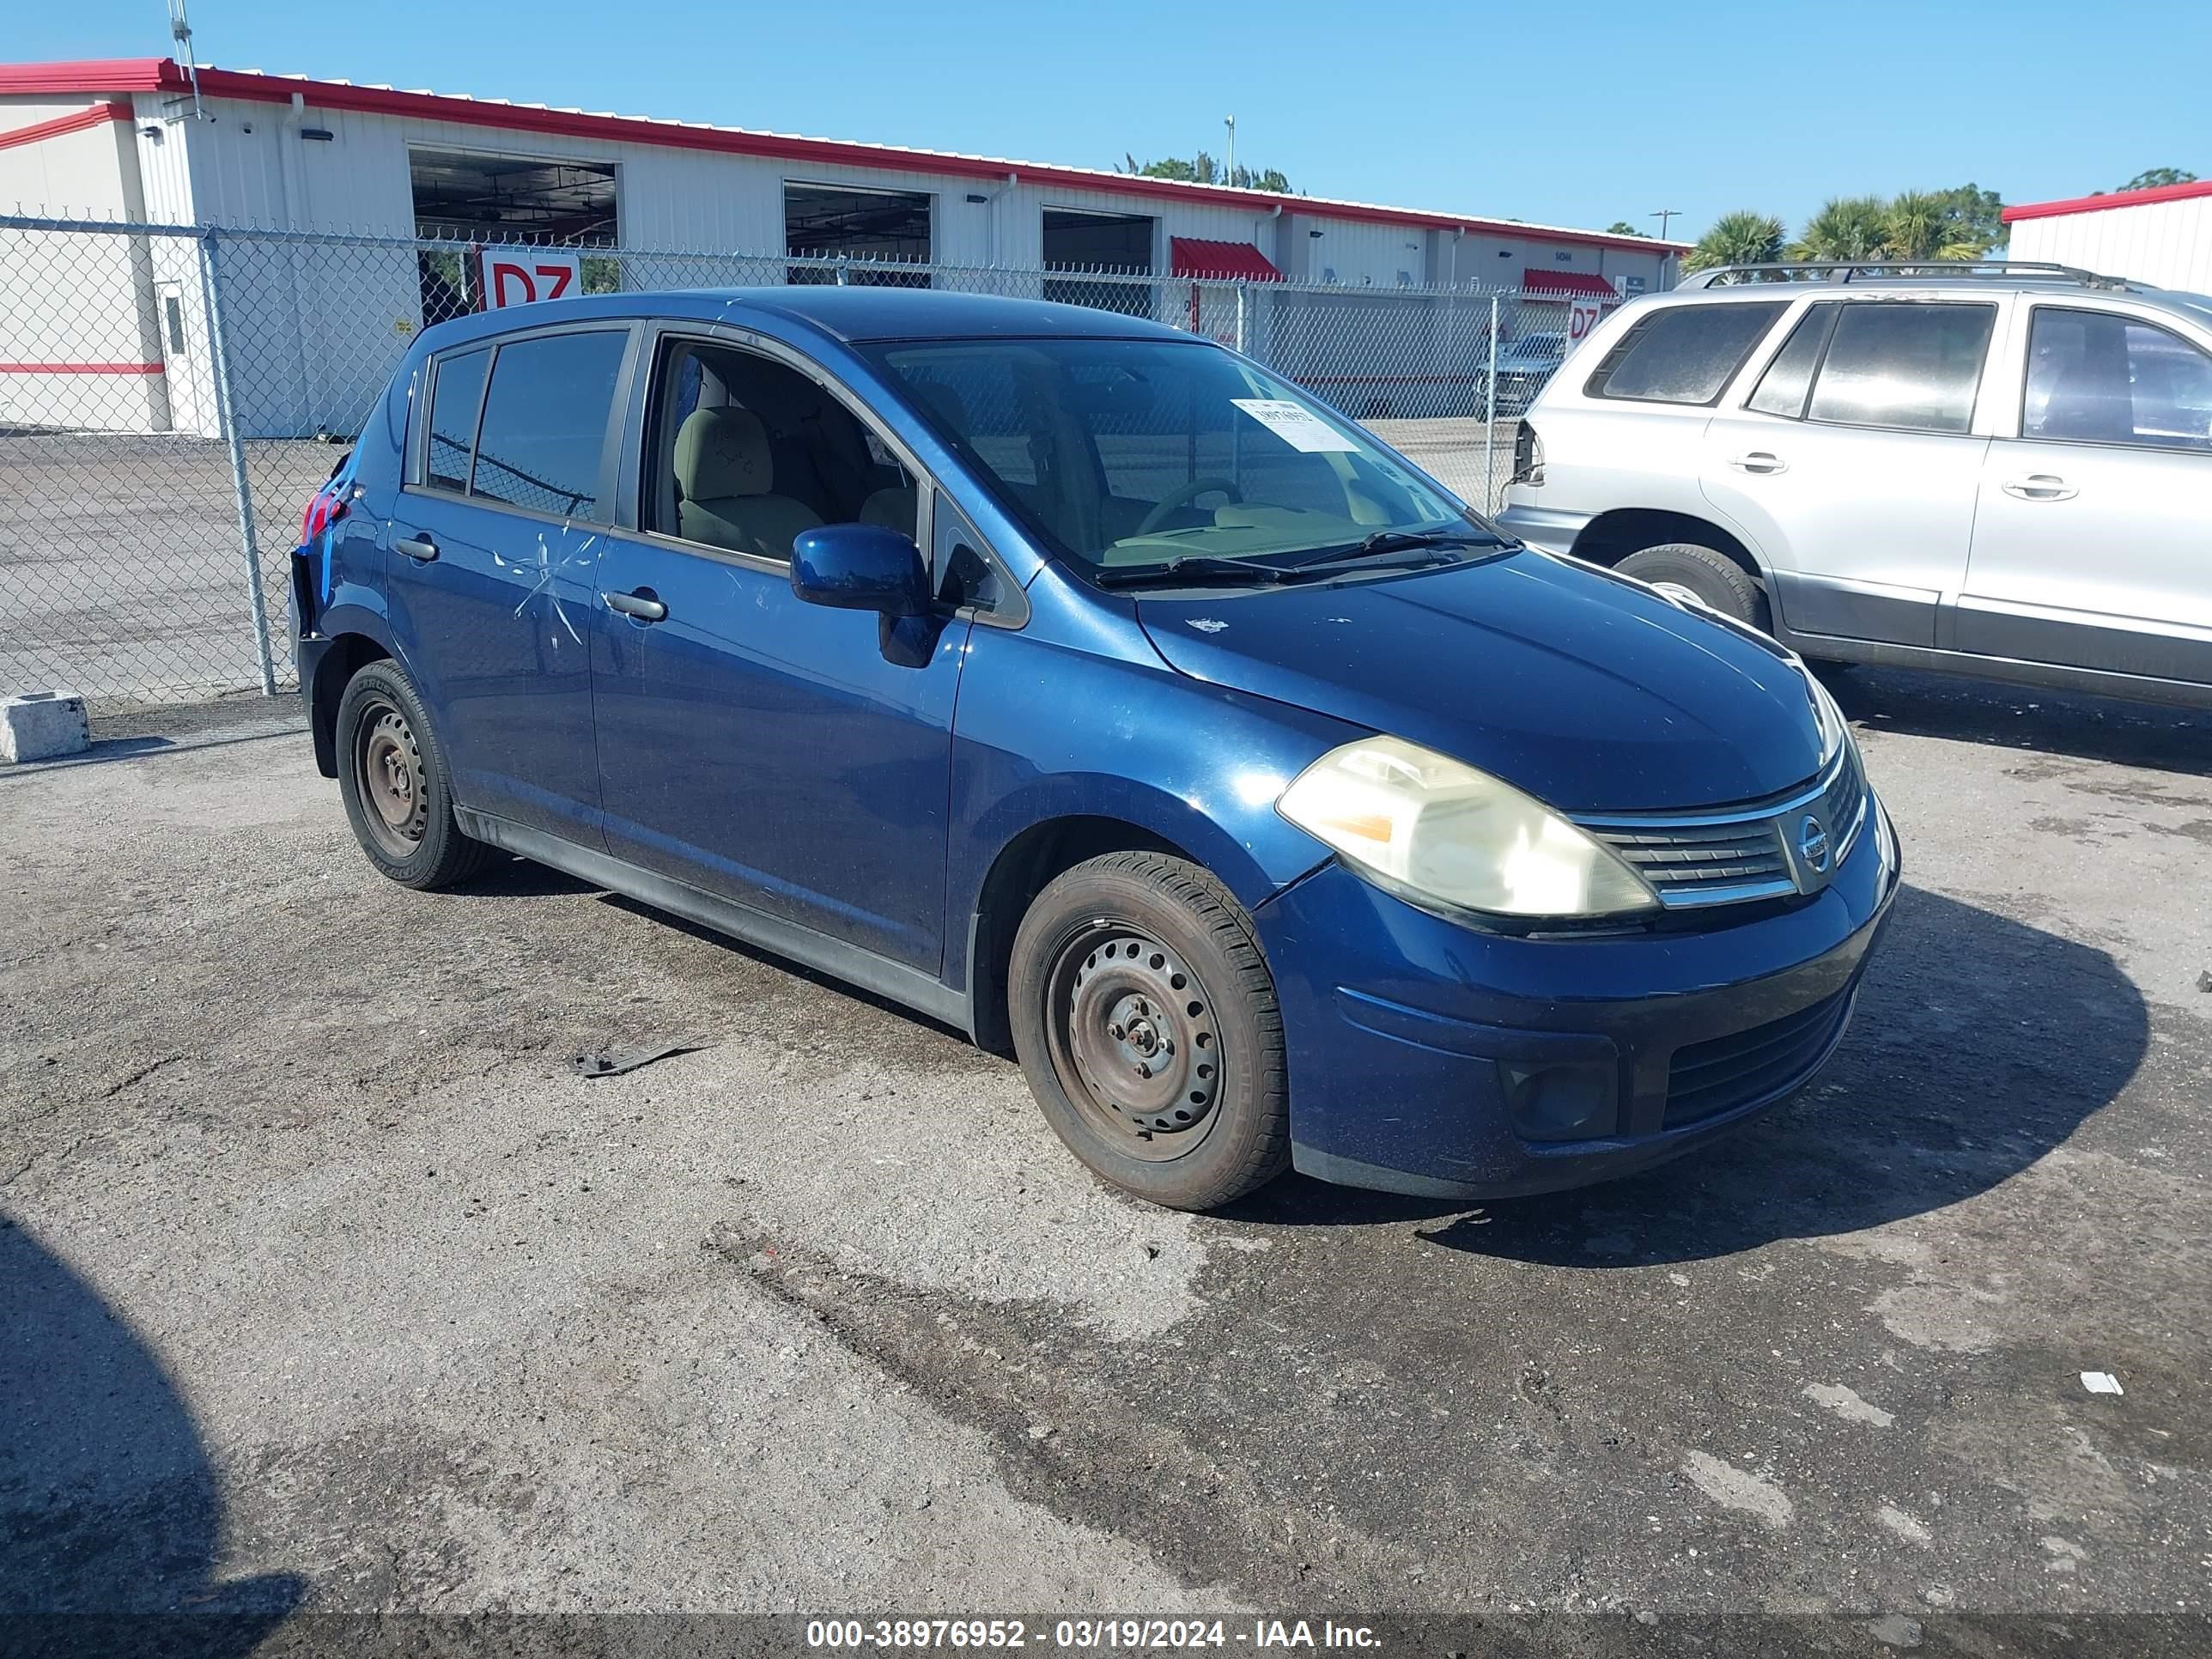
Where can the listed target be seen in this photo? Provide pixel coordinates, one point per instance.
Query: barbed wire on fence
(171, 396)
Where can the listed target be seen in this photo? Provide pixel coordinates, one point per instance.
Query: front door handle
(421, 549)
(2041, 487)
(1759, 460)
(644, 605)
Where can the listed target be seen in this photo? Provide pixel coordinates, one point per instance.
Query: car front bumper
(1410, 1038)
(1542, 528)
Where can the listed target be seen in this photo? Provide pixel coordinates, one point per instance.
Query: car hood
(1581, 689)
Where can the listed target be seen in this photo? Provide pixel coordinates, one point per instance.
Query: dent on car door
(788, 756)
(2093, 545)
(490, 570)
(1853, 462)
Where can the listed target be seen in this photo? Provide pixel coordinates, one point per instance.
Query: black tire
(1185, 1031)
(1719, 581)
(392, 773)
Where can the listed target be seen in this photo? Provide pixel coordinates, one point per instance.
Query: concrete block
(43, 726)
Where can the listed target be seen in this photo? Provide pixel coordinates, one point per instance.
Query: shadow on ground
(109, 1511)
(2020, 717)
(1955, 1075)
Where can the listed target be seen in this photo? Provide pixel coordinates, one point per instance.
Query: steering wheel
(1185, 493)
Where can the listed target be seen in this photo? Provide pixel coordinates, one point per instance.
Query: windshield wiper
(1210, 566)
(1401, 541)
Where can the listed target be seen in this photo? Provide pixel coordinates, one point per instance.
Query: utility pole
(1664, 215)
(1229, 121)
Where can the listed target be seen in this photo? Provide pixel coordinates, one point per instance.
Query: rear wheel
(1684, 570)
(392, 773)
(1146, 1025)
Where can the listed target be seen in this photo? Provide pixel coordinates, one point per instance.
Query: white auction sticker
(1295, 424)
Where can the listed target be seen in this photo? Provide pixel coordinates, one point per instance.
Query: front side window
(456, 395)
(1904, 363)
(545, 429)
(1684, 354)
(748, 453)
(1139, 453)
(1787, 380)
(2096, 377)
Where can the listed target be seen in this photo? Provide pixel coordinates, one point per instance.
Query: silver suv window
(1903, 363)
(1683, 354)
(2096, 377)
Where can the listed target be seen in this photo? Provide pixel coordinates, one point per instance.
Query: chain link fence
(171, 397)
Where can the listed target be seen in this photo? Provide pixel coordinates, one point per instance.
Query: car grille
(1709, 1077)
(1738, 854)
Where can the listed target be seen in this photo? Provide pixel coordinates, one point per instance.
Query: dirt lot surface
(330, 1286)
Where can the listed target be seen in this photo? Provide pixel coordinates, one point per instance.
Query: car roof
(848, 314)
(2196, 307)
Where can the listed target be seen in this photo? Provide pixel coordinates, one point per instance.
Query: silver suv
(2003, 470)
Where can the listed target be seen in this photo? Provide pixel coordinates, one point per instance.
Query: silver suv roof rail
(1849, 271)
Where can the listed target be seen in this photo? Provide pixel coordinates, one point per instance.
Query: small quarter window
(1788, 378)
(1683, 354)
(456, 394)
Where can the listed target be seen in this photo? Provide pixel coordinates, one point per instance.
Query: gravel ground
(332, 1288)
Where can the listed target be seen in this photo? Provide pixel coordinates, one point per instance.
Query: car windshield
(1130, 455)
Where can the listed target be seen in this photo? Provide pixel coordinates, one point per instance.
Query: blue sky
(1579, 114)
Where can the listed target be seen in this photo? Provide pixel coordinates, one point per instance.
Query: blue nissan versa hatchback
(1085, 686)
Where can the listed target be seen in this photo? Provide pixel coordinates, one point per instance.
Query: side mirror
(861, 566)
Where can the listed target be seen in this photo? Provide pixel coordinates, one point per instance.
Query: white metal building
(146, 141)
(2163, 236)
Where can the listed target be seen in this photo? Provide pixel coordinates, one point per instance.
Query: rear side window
(456, 394)
(544, 429)
(1904, 363)
(1684, 354)
(2100, 379)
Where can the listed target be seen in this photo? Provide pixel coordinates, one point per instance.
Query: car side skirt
(2049, 677)
(864, 968)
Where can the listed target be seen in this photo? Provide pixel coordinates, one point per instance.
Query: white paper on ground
(1295, 424)
(2101, 1383)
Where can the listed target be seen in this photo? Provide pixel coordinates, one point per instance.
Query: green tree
(1622, 228)
(1977, 217)
(2154, 177)
(1846, 227)
(1203, 169)
(1919, 225)
(1741, 238)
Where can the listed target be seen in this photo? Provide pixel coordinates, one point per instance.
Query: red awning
(1568, 283)
(1194, 256)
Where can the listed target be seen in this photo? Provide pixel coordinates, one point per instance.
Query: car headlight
(1416, 820)
(1835, 731)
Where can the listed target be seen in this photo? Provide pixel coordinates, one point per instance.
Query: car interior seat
(726, 475)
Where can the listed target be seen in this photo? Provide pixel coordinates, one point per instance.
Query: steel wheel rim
(1677, 591)
(388, 772)
(1135, 1039)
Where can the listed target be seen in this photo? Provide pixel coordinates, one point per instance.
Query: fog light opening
(1571, 1100)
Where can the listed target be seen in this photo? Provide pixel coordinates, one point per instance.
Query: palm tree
(1921, 228)
(1846, 228)
(1743, 238)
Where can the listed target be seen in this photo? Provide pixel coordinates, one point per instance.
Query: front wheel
(1684, 570)
(1145, 1020)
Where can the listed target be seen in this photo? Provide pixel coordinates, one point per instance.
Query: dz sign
(517, 275)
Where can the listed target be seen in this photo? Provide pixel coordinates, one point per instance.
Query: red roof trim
(98, 115)
(2117, 199)
(1568, 281)
(164, 75)
(1195, 256)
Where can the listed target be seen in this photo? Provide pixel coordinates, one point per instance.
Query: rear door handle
(644, 605)
(2041, 487)
(421, 549)
(1759, 460)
